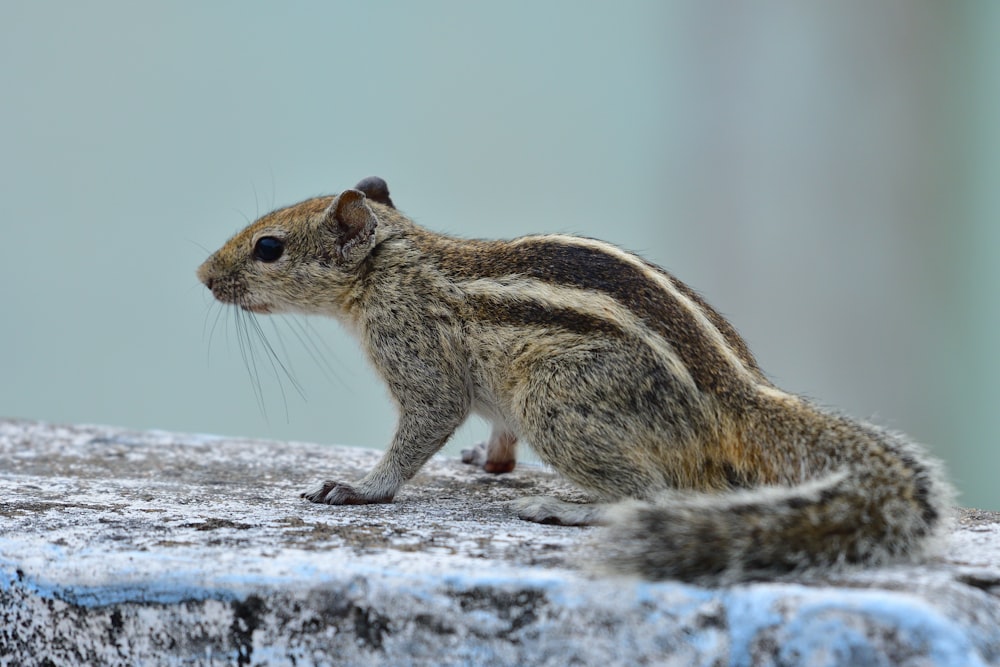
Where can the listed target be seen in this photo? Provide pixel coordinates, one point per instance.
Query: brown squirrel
(619, 376)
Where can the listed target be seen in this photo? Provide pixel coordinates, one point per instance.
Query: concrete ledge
(122, 548)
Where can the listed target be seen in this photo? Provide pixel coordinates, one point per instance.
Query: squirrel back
(620, 376)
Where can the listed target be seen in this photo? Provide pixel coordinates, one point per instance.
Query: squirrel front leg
(433, 402)
(419, 436)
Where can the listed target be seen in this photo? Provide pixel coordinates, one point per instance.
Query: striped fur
(620, 376)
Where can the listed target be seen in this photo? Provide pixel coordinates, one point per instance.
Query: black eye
(268, 249)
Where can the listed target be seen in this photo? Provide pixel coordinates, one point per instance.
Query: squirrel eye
(268, 249)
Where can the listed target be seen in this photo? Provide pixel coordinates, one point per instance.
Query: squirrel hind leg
(497, 455)
(548, 510)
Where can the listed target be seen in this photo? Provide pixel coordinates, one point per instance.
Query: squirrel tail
(889, 504)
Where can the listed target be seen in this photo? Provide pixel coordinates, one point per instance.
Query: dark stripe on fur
(727, 330)
(529, 313)
(591, 269)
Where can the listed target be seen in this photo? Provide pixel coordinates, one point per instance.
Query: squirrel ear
(376, 189)
(353, 225)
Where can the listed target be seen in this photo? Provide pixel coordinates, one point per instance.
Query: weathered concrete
(123, 548)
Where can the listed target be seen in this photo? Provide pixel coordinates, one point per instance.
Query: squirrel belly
(619, 376)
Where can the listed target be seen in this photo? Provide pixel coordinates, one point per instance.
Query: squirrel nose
(205, 275)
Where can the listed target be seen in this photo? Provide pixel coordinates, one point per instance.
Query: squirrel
(621, 378)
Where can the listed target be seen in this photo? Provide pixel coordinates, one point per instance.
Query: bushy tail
(889, 504)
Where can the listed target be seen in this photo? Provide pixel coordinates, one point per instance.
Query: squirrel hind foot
(478, 455)
(548, 510)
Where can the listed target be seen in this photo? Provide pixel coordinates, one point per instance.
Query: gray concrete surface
(125, 548)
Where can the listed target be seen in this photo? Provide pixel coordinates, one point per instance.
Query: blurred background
(826, 174)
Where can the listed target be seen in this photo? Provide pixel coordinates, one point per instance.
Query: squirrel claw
(338, 493)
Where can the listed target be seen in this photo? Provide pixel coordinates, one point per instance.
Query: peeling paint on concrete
(121, 547)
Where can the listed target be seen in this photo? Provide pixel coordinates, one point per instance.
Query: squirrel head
(302, 258)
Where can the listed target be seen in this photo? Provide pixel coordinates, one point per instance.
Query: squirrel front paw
(338, 493)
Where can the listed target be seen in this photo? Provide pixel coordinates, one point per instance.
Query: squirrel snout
(205, 276)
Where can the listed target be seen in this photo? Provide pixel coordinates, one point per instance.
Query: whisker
(307, 325)
(312, 349)
(250, 327)
(208, 314)
(198, 245)
(290, 370)
(242, 215)
(271, 359)
(250, 333)
(274, 359)
(211, 332)
(250, 360)
(274, 190)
